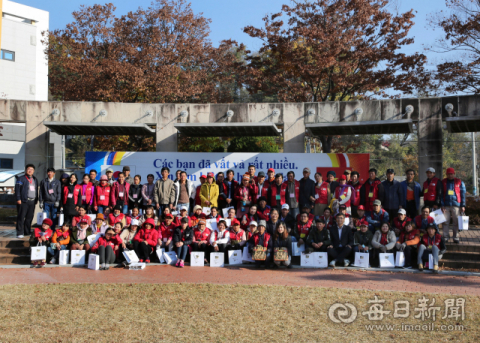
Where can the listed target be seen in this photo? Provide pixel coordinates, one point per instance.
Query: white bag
(217, 259)
(93, 262)
(347, 221)
(130, 256)
(61, 218)
(212, 224)
(297, 250)
(92, 239)
(306, 260)
(39, 253)
(197, 259)
(40, 217)
(430, 261)
(234, 257)
(137, 266)
(77, 257)
(170, 257)
(400, 259)
(362, 259)
(463, 223)
(92, 217)
(225, 211)
(247, 257)
(206, 210)
(321, 259)
(160, 252)
(438, 216)
(387, 260)
(229, 222)
(63, 258)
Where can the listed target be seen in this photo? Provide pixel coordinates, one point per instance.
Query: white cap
(402, 211)
(134, 222)
(253, 222)
(431, 170)
(285, 206)
(183, 208)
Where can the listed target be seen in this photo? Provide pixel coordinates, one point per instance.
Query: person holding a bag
(431, 243)
(101, 200)
(127, 236)
(238, 238)
(43, 236)
(79, 234)
(105, 249)
(165, 233)
(318, 238)
(119, 194)
(219, 240)
(362, 240)
(182, 238)
(383, 241)
(263, 239)
(282, 241)
(87, 192)
(135, 193)
(453, 203)
(50, 195)
(82, 215)
(60, 241)
(400, 221)
(408, 242)
(201, 239)
(146, 240)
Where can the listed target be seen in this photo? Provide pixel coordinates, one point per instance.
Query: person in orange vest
(432, 188)
(453, 203)
(371, 190)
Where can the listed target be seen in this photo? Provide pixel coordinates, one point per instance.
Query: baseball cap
(271, 170)
(246, 176)
(235, 222)
(134, 222)
(343, 177)
(361, 207)
(402, 211)
(285, 206)
(262, 223)
(202, 221)
(347, 172)
(377, 202)
(183, 208)
(253, 222)
(431, 170)
(306, 170)
(342, 206)
(390, 171)
(126, 168)
(84, 221)
(261, 174)
(203, 176)
(450, 171)
(303, 206)
(168, 215)
(211, 174)
(109, 170)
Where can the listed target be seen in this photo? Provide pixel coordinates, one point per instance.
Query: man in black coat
(26, 195)
(307, 189)
(342, 241)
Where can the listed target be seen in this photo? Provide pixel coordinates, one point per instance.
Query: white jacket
(222, 237)
(191, 189)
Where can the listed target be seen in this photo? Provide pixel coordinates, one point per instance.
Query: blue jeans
(51, 211)
(182, 252)
(56, 253)
(101, 209)
(177, 208)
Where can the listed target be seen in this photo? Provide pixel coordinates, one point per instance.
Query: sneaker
(178, 263)
(346, 263)
(42, 264)
(332, 264)
(181, 265)
(420, 267)
(20, 236)
(140, 260)
(435, 269)
(106, 267)
(34, 263)
(53, 261)
(407, 267)
(456, 240)
(147, 261)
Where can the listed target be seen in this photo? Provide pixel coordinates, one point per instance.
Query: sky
(229, 17)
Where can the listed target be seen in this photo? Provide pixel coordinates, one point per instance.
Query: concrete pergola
(46, 121)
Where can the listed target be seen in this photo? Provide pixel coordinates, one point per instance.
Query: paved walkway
(365, 280)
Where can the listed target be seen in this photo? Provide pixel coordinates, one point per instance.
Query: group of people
(337, 215)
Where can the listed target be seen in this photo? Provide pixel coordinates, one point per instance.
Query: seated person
(135, 215)
(287, 218)
(422, 221)
(214, 214)
(100, 225)
(250, 216)
(273, 222)
(105, 248)
(232, 214)
(182, 214)
(400, 221)
(165, 233)
(318, 238)
(79, 234)
(431, 243)
(328, 218)
(148, 213)
(197, 214)
(383, 241)
(60, 239)
(252, 228)
(238, 238)
(262, 238)
(146, 240)
(42, 237)
(219, 240)
(301, 230)
(408, 243)
(305, 208)
(281, 239)
(127, 236)
(362, 240)
(117, 216)
(182, 238)
(342, 242)
(377, 217)
(201, 239)
(263, 210)
(360, 217)
(82, 214)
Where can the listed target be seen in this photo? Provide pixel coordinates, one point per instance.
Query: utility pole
(474, 162)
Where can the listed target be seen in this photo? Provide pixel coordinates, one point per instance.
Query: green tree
(253, 144)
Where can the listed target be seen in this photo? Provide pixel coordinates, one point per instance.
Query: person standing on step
(393, 199)
(453, 203)
(432, 189)
(26, 194)
(371, 190)
(411, 194)
(50, 194)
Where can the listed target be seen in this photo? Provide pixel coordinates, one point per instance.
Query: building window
(6, 163)
(7, 55)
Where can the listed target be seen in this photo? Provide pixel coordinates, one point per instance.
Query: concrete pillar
(294, 127)
(166, 133)
(37, 138)
(430, 137)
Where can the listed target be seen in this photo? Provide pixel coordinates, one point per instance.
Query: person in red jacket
(198, 201)
(105, 248)
(86, 190)
(424, 219)
(263, 210)
(248, 217)
(432, 189)
(371, 190)
(400, 221)
(328, 218)
(214, 214)
(259, 188)
(165, 233)
(431, 243)
(43, 236)
(322, 194)
(356, 185)
(146, 240)
(243, 196)
(201, 239)
(119, 193)
(101, 200)
(408, 242)
(262, 238)
(82, 214)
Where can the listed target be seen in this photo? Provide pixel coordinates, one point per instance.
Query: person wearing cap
(128, 177)
(281, 239)
(110, 179)
(119, 193)
(307, 189)
(252, 228)
(431, 243)
(344, 194)
(79, 234)
(71, 199)
(263, 210)
(219, 240)
(105, 248)
(135, 199)
(101, 200)
(347, 174)
(82, 215)
(341, 237)
(148, 192)
(400, 221)
(50, 195)
(262, 238)
(164, 193)
(60, 241)
(377, 216)
(318, 238)
(117, 216)
(127, 236)
(287, 218)
(146, 240)
(411, 194)
(360, 216)
(331, 175)
(198, 200)
(270, 178)
(362, 240)
(291, 193)
(383, 241)
(371, 190)
(201, 239)
(182, 239)
(423, 220)
(248, 217)
(243, 196)
(275, 192)
(432, 190)
(195, 217)
(209, 192)
(452, 202)
(408, 243)
(165, 233)
(238, 237)
(86, 191)
(393, 194)
(93, 177)
(323, 196)
(184, 192)
(42, 237)
(356, 185)
(149, 213)
(273, 222)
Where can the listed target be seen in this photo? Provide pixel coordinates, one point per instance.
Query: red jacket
(87, 198)
(418, 221)
(311, 217)
(426, 240)
(322, 192)
(265, 241)
(202, 235)
(115, 194)
(47, 233)
(236, 236)
(255, 191)
(409, 236)
(357, 188)
(102, 241)
(151, 236)
(167, 231)
(430, 189)
(265, 214)
(77, 219)
(112, 220)
(239, 195)
(102, 196)
(373, 190)
(457, 183)
(75, 195)
(198, 201)
(401, 225)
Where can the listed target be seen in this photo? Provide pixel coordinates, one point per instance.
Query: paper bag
(297, 250)
(463, 223)
(400, 259)
(247, 257)
(217, 259)
(63, 257)
(438, 216)
(130, 256)
(77, 257)
(430, 261)
(197, 259)
(170, 257)
(234, 257)
(61, 218)
(137, 266)
(39, 253)
(206, 210)
(306, 260)
(92, 217)
(225, 211)
(160, 252)
(40, 217)
(321, 259)
(93, 262)
(387, 260)
(361, 259)
(92, 239)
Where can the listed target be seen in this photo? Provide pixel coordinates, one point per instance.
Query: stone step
(462, 256)
(15, 251)
(459, 264)
(13, 259)
(14, 242)
(462, 247)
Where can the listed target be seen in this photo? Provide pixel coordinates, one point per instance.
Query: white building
(23, 64)
(12, 154)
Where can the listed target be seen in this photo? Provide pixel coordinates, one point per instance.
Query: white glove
(40, 204)
(57, 204)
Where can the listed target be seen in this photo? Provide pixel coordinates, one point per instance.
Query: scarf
(82, 234)
(383, 239)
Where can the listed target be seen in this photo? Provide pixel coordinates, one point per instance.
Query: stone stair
(460, 256)
(14, 251)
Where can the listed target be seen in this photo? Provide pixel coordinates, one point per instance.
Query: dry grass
(207, 313)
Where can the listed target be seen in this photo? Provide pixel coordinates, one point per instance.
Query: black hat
(185, 220)
(390, 171)
(126, 168)
(261, 174)
(342, 206)
(261, 199)
(305, 206)
(117, 207)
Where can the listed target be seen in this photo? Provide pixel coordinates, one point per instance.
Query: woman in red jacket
(87, 192)
(105, 248)
(101, 200)
(82, 214)
(119, 193)
(243, 197)
(146, 240)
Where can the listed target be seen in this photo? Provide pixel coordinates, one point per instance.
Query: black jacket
(135, 189)
(346, 239)
(283, 243)
(289, 221)
(333, 186)
(380, 196)
(21, 188)
(316, 236)
(307, 190)
(45, 196)
(270, 229)
(187, 235)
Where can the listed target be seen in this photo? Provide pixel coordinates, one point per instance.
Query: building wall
(26, 78)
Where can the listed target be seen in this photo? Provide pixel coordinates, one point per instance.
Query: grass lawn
(210, 313)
